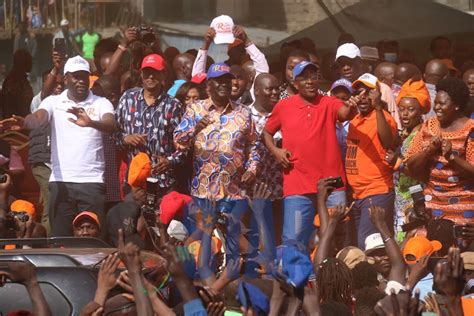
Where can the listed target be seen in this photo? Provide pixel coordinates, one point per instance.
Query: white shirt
(77, 153)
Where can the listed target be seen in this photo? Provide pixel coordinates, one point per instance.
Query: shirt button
(309, 115)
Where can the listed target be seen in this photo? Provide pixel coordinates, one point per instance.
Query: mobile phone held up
(338, 183)
(60, 46)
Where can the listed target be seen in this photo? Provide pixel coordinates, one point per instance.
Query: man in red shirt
(310, 150)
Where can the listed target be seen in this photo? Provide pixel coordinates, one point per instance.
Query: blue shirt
(194, 308)
(176, 85)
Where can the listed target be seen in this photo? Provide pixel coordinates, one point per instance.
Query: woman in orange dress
(442, 155)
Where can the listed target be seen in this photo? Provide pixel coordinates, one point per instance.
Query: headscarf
(416, 90)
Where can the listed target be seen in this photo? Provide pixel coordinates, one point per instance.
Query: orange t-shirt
(367, 171)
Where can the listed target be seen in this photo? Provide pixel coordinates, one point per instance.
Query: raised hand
(377, 216)
(239, 33)
(339, 213)
(261, 191)
(355, 100)
(82, 119)
(448, 276)
(401, 304)
(129, 254)
(58, 61)
(107, 278)
(163, 165)
(446, 148)
(376, 97)
(20, 272)
(325, 186)
(209, 37)
(130, 36)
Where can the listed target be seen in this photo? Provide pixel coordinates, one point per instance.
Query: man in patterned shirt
(147, 118)
(223, 138)
(266, 96)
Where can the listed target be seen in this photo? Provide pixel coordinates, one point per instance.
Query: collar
(88, 100)
(304, 103)
(210, 106)
(367, 117)
(141, 97)
(255, 112)
(179, 81)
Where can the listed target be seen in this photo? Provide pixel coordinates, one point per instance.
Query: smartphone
(457, 231)
(338, 183)
(60, 46)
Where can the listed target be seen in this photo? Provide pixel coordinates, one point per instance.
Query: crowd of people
(346, 183)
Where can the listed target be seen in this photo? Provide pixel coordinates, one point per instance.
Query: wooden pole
(21, 8)
(56, 13)
(62, 10)
(11, 15)
(5, 15)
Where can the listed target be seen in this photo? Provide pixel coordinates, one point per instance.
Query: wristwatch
(451, 157)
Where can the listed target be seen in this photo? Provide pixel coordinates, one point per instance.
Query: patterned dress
(448, 193)
(223, 150)
(403, 199)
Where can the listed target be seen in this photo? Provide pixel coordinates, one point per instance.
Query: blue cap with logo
(299, 68)
(218, 70)
(342, 83)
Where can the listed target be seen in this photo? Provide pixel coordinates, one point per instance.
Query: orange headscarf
(417, 90)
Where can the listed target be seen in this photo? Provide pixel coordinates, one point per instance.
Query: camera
(418, 214)
(149, 209)
(145, 34)
(10, 222)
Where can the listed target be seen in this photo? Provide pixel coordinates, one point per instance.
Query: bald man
(468, 79)
(435, 70)
(405, 71)
(182, 67)
(385, 72)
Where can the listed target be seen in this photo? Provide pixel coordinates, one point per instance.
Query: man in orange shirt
(371, 133)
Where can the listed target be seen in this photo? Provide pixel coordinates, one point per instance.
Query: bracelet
(386, 239)
(145, 291)
(122, 48)
(163, 282)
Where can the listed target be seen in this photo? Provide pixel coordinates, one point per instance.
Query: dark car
(67, 276)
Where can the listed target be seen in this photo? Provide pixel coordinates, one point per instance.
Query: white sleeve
(200, 62)
(105, 107)
(260, 63)
(48, 105)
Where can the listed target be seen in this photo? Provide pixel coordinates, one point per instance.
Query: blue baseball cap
(342, 83)
(299, 68)
(250, 295)
(218, 70)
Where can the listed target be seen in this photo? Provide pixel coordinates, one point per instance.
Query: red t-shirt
(309, 133)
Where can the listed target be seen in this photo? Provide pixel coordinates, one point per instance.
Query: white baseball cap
(77, 63)
(373, 242)
(177, 230)
(224, 27)
(64, 22)
(366, 79)
(349, 50)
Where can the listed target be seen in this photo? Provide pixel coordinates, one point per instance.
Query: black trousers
(67, 199)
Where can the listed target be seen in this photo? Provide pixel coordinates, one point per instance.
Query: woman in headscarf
(442, 155)
(413, 101)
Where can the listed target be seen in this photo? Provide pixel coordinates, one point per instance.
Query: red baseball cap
(154, 61)
(199, 78)
(172, 206)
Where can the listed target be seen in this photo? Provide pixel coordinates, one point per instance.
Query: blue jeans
(234, 215)
(361, 225)
(298, 218)
(262, 228)
(336, 198)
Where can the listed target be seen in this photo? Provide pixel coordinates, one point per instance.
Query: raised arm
(384, 131)
(130, 35)
(398, 270)
(50, 83)
(199, 65)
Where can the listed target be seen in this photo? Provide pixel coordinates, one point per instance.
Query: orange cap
(23, 206)
(92, 79)
(449, 63)
(419, 247)
(467, 305)
(86, 214)
(140, 169)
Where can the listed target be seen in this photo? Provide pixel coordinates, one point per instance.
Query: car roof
(44, 257)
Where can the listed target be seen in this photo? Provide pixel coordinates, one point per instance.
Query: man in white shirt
(77, 119)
